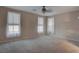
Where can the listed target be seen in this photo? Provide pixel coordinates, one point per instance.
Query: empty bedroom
(39, 29)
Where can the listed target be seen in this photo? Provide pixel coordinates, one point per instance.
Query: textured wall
(67, 25)
(28, 24)
(2, 23)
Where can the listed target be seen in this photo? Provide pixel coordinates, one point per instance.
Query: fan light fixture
(43, 9)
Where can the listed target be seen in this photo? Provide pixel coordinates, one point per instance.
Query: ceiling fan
(44, 9)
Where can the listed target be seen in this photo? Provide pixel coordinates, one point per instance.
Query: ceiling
(37, 9)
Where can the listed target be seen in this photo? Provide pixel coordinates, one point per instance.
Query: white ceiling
(37, 9)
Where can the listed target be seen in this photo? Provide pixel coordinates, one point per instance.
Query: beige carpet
(42, 44)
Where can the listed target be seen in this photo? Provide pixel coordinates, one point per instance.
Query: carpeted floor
(39, 45)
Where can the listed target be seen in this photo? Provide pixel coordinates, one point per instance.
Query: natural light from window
(13, 24)
(50, 25)
(40, 24)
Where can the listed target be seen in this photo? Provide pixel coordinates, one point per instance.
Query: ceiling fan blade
(48, 10)
(43, 9)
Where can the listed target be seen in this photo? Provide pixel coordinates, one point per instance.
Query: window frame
(8, 24)
(50, 32)
(40, 25)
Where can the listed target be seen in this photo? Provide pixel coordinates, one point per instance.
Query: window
(40, 25)
(50, 25)
(13, 24)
